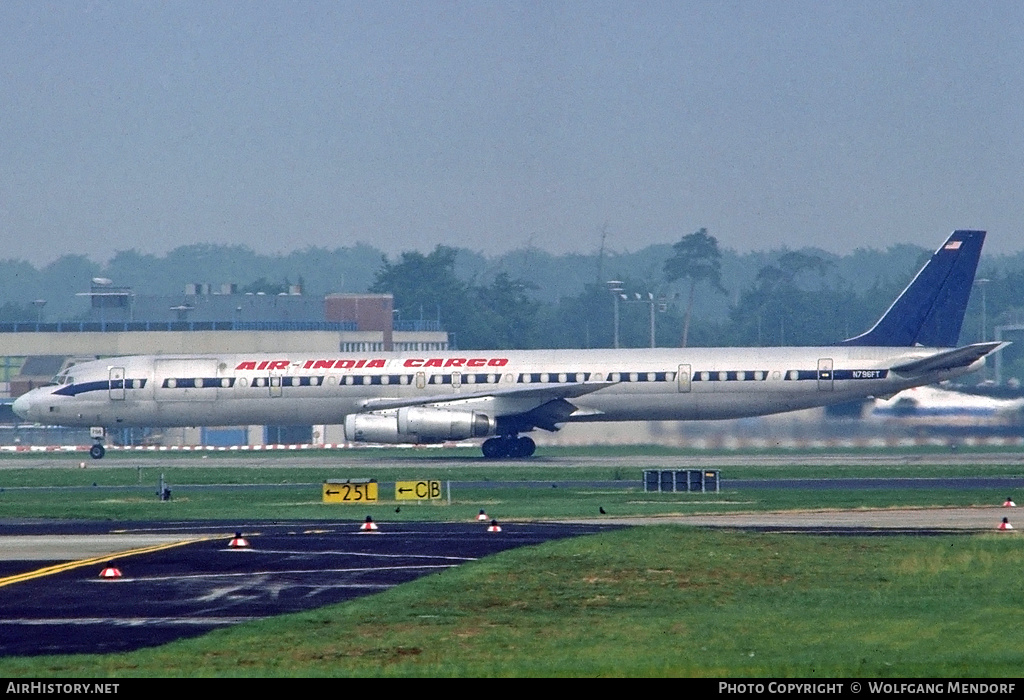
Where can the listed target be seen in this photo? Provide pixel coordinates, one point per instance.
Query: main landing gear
(508, 446)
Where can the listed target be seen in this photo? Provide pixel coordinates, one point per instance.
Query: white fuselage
(433, 397)
(291, 389)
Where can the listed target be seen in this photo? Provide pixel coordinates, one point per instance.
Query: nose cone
(21, 406)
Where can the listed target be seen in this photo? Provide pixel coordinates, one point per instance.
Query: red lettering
(251, 365)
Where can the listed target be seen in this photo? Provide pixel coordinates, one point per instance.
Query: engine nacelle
(417, 425)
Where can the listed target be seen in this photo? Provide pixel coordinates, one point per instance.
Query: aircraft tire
(523, 447)
(494, 448)
(508, 446)
(97, 451)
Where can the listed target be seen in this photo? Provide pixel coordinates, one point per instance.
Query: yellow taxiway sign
(417, 490)
(350, 491)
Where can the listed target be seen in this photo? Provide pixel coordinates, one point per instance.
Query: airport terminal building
(204, 319)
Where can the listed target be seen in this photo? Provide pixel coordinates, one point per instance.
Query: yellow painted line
(68, 566)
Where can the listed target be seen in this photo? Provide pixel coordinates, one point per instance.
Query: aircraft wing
(513, 400)
(949, 359)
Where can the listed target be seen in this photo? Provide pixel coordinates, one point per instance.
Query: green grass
(655, 601)
(123, 487)
(304, 501)
(466, 463)
(651, 601)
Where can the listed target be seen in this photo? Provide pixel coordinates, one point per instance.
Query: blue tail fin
(931, 310)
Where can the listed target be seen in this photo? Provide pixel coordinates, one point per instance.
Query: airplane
(434, 397)
(948, 410)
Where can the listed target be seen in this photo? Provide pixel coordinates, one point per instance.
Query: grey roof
(42, 365)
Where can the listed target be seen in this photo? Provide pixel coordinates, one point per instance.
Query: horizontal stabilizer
(950, 359)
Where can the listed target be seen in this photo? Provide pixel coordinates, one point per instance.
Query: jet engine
(417, 424)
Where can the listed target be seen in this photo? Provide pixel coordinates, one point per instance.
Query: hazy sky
(497, 125)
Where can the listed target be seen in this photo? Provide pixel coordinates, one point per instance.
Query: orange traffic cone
(1005, 525)
(110, 571)
(481, 516)
(368, 526)
(238, 542)
(494, 526)
(1009, 503)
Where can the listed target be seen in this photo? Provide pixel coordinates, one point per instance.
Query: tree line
(700, 295)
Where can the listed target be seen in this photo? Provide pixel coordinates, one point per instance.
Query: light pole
(998, 337)
(650, 305)
(615, 287)
(39, 304)
(651, 302)
(983, 283)
(659, 303)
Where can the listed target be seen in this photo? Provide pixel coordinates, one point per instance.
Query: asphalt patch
(190, 589)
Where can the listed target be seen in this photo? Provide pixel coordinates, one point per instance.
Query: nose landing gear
(97, 450)
(508, 446)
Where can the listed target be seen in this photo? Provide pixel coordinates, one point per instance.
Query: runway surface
(182, 580)
(417, 459)
(887, 521)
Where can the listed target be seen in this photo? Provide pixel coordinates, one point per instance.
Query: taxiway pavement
(182, 579)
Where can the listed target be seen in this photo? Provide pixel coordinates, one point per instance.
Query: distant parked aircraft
(938, 408)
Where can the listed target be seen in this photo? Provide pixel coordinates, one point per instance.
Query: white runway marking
(350, 554)
(132, 621)
(286, 572)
